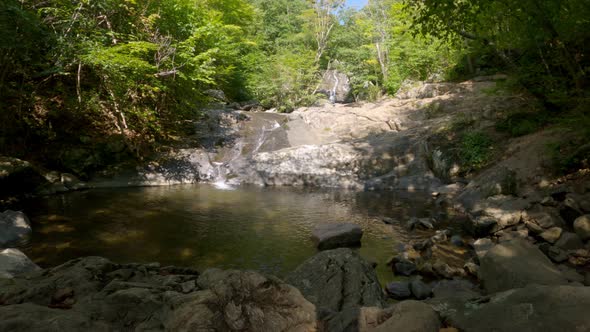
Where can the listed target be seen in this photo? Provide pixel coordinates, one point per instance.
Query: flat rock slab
(515, 264)
(331, 236)
(530, 309)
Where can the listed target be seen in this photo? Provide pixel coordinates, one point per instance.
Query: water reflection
(265, 229)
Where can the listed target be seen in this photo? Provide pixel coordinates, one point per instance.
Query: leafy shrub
(523, 123)
(475, 150)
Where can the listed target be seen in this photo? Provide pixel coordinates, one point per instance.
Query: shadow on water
(265, 229)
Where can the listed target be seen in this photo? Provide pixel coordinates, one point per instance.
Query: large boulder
(582, 227)
(241, 301)
(18, 177)
(494, 181)
(15, 228)
(103, 296)
(407, 316)
(13, 262)
(331, 236)
(339, 282)
(530, 309)
(515, 264)
(496, 213)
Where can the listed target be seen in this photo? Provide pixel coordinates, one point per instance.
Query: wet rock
(569, 241)
(405, 267)
(15, 228)
(420, 223)
(331, 236)
(582, 227)
(530, 309)
(338, 282)
(516, 264)
(13, 262)
(399, 290)
(552, 234)
(404, 316)
(420, 289)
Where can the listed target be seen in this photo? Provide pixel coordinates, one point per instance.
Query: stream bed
(200, 226)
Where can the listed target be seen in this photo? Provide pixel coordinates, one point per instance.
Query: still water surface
(265, 229)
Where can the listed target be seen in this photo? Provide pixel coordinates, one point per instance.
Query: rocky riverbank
(521, 261)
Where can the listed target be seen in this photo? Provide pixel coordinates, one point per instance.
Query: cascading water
(260, 133)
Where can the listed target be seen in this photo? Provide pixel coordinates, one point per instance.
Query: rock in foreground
(104, 296)
(407, 316)
(331, 236)
(530, 309)
(339, 282)
(515, 264)
(13, 262)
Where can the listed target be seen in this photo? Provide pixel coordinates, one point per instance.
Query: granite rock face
(339, 282)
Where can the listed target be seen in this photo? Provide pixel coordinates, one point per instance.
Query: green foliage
(524, 123)
(544, 43)
(475, 149)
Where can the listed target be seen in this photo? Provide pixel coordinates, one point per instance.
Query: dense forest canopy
(101, 71)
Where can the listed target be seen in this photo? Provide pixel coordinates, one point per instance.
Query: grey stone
(399, 290)
(482, 246)
(457, 288)
(516, 264)
(13, 262)
(569, 241)
(552, 234)
(505, 211)
(557, 255)
(582, 227)
(420, 223)
(338, 282)
(545, 217)
(331, 236)
(530, 309)
(15, 228)
(405, 267)
(495, 181)
(407, 316)
(420, 289)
